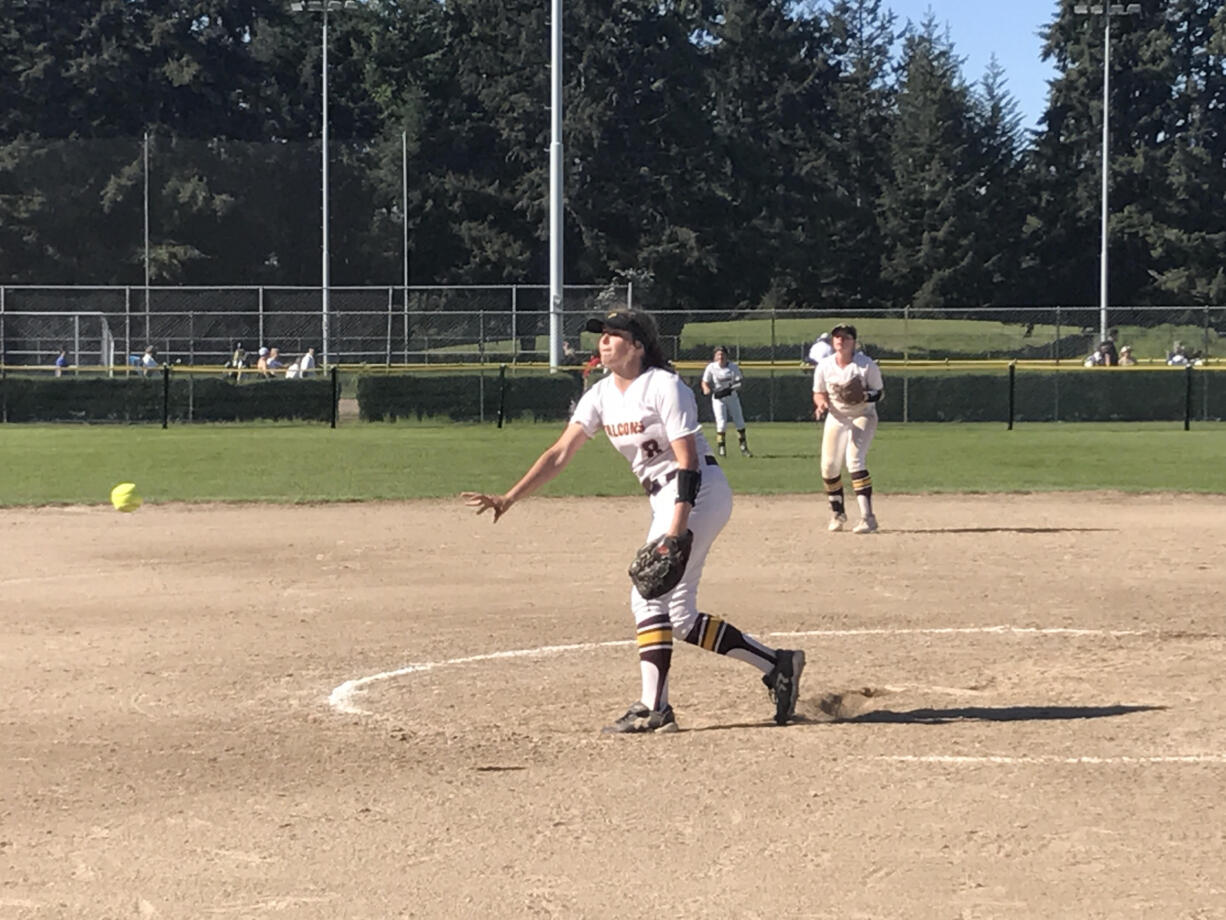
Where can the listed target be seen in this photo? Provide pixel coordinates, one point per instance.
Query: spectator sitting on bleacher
(274, 360)
(1178, 355)
(148, 362)
(1126, 358)
(261, 363)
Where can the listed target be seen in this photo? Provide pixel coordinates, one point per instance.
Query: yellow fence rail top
(250, 373)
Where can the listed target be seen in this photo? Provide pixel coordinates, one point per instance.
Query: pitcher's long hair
(653, 351)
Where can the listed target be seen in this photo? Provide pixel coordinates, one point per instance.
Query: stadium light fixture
(1106, 11)
(325, 7)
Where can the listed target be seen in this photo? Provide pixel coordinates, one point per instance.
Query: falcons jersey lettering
(641, 423)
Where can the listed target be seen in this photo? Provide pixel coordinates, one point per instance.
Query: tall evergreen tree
(1183, 221)
(928, 205)
(863, 36)
(1000, 194)
(1065, 227)
(638, 140)
(772, 86)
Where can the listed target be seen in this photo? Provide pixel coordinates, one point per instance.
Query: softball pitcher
(650, 416)
(722, 381)
(846, 388)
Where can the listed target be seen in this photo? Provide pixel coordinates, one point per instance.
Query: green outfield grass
(361, 462)
(941, 336)
(921, 336)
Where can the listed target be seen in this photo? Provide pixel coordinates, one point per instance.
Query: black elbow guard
(688, 483)
(873, 395)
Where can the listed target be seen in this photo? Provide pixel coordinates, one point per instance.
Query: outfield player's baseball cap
(844, 329)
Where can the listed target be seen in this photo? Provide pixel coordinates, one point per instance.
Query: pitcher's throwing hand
(484, 502)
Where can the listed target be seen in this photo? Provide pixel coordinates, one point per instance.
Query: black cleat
(639, 719)
(783, 682)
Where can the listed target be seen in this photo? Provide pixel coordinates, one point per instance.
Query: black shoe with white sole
(783, 682)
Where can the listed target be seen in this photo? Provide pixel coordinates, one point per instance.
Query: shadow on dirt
(984, 714)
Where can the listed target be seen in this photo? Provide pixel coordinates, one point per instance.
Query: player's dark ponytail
(649, 338)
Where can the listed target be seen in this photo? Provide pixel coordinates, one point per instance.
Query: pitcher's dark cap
(844, 329)
(622, 320)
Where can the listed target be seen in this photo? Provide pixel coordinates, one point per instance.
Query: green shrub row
(934, 395)
(914, 395)
(140, 399)
(469, 397)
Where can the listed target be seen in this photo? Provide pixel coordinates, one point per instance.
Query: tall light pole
(555, 187)
(1106, 11)
(324, 6)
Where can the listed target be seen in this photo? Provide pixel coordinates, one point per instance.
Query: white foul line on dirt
(341, 698)
(960, 630)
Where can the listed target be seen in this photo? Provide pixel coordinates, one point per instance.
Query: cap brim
(617, 321)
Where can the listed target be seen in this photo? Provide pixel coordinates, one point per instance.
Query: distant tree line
(721, 154)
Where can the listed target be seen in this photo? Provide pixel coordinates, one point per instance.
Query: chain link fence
(368, 325)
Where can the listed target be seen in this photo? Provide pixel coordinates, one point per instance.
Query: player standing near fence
(650, 416)
(846, 388)
(722, 381)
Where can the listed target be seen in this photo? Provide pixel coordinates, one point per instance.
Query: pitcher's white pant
(846, 438)
(728, 408)
(707, 519)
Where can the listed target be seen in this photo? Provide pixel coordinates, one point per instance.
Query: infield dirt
(179, 740)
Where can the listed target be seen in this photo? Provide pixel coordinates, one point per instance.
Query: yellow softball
(125, 497)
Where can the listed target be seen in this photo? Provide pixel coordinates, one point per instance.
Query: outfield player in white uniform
(820, 349)
(651, 417)
(722, 381)
(851, 422)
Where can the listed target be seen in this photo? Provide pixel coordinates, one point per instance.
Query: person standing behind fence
(148, 362)
(722, 381)
(261, 363)
(306, 364)
(238, 361)
(846, 388)
(61, 362)
(820, 349)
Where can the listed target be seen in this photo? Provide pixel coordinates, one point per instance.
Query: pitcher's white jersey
(656, 409)
(717, 378)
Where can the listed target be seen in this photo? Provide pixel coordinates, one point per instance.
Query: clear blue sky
(1007, 28)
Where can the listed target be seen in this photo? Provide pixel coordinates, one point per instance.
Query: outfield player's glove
(851, 393)
(722, 393)
(658, 565)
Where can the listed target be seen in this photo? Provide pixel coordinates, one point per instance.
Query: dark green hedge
(934, 395)
(469, 397)
(140, 399)
(1092, 394)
